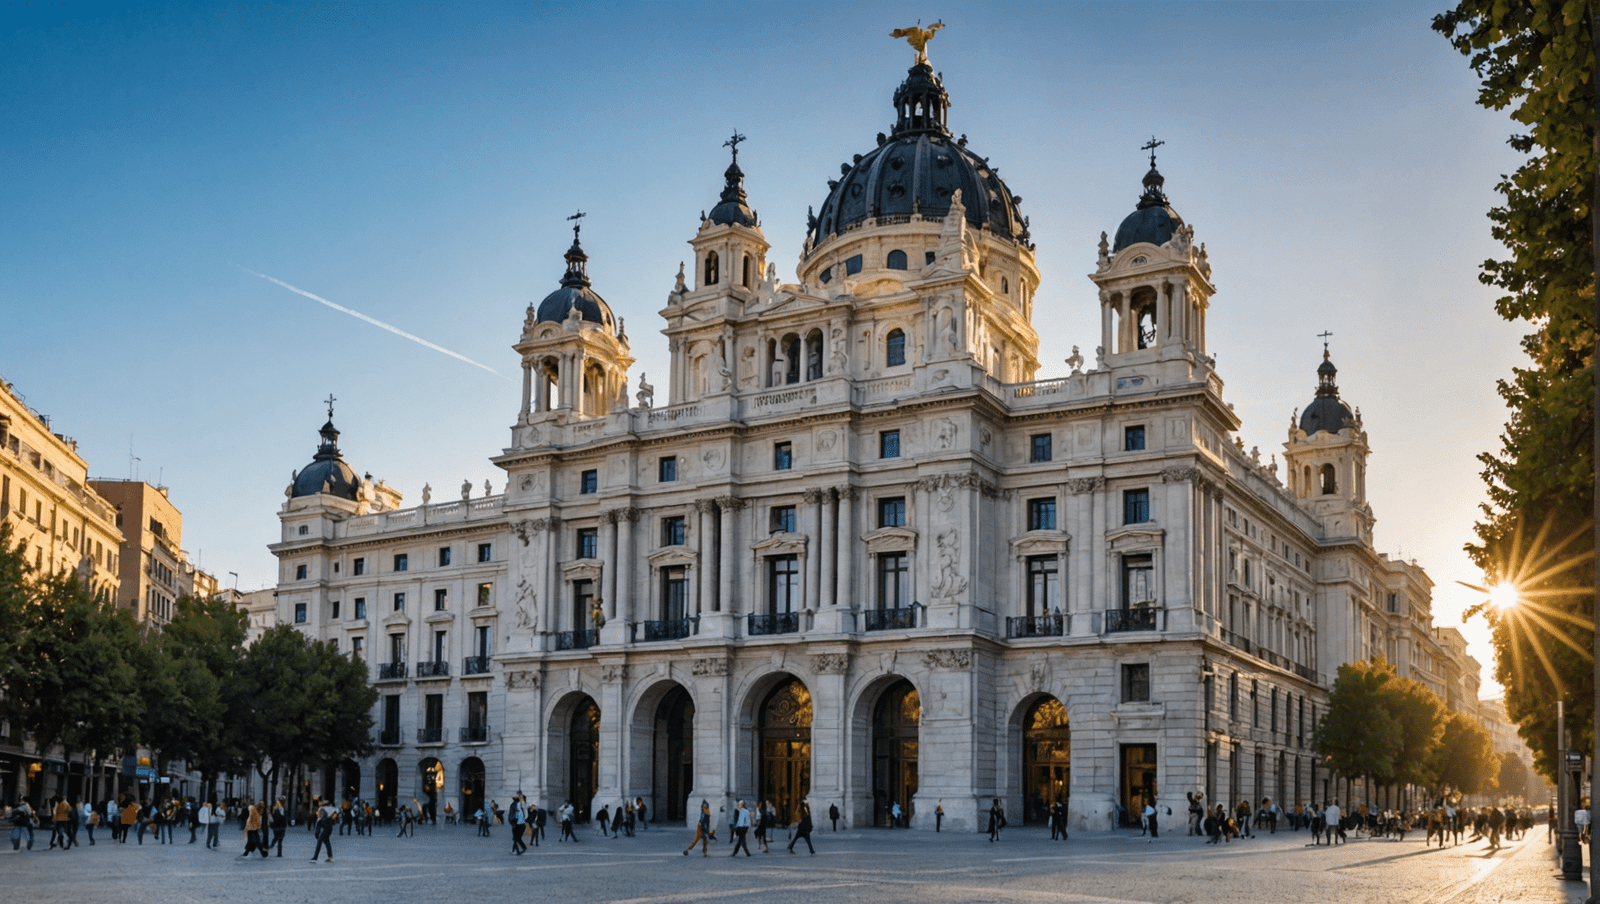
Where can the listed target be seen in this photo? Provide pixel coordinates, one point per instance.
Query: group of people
(124, 815)
(763, 818)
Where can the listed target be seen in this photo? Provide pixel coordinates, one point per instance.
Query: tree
(1536, 59)
(1465, 761)
(1421, 716)
(14, 605)
(186, 699)
(1358, 737)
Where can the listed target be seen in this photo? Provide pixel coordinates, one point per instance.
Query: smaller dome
(1153, 221)
(327, 474)
(1327, 412)
(575, 293)
(733, 209)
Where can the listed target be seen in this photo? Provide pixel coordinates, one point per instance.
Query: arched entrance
(388, 788)
(672, 754)
(894, 751)
(1046, 759)
(432, 772)
(350, 780)
(785, 747)
(583, 757)
(471, 786)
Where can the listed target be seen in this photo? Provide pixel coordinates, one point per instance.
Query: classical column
(624, 589)
(813, 528)
(706, 562)
(846, 556)
(608, 554)
(828, 544)
(527, 389)
(1107, 317)
(726, 560)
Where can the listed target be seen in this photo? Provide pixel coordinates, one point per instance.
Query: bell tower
(1326, 454)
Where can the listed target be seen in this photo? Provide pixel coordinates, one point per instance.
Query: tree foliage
(1465, 761)
(1536, 60)
(1358, 736)
(300, 703)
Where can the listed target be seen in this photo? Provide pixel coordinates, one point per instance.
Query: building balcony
(1035, 626)
(1143, 619)
(773, 623)
(1244, 644)
(475, 665)
(667, 629)
(433, 735)
(437, 669)
(577, 640)
(389, 737)
(889, 619)
(475, 734)
(391, 671)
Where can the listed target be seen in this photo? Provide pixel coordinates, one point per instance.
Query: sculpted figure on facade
(948, 582)
(1075, 361)
(647, 393)
(830, 663)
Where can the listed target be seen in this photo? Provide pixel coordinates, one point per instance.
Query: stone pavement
(878, 865)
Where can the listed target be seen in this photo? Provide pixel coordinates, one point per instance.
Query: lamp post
(1567, 798)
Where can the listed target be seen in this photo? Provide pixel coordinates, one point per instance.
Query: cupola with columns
(1326, 454)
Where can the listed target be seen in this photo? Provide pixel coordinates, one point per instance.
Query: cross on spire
(1324, 336)
(734, 143)
(576, 225)
(1151, 146)
(330, 400)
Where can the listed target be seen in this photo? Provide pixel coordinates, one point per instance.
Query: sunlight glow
(1504, 596)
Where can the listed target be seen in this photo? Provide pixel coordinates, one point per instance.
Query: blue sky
(417, 162)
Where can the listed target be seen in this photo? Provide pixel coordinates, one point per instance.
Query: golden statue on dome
(918, 37)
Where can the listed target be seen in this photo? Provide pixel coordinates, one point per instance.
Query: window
(299, 572)
(433, 716)
(1041, 514)
(1133, 438)
(667, 470)
(711, 270)
(360, 607)
(889, 444)
(358, 567)
(438, 646)
(1135, 506)
(892, 512)
(852, 266)
(391, 716)
(1329, 484)
(481, 642)
(783, 584)
(1255, 704)
(1138, 581)
(333, 610)
(397, 648)
(304, 529)
(782, 456)
(1136, 682)
(783, 519)
(1044, 585)
(484, 593)
(928, 257)
(299, 613)
(335, 567)
(358, 646)
(896, 261)
(441, 599)
(894, 348)
(674, 593)
(894, 580)
(444, 556)
(1040, 445)
(582, 603)
(588, 543)
(672, 531)
(399, 602)
(826, 276)
(401, 562)
(1394, 602)
(1233, 696)
(589, 482)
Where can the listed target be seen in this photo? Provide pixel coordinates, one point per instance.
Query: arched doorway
(471, 786)
(894, 751)
(432, 772)
(350, 780)
(388, 788)
(785, 747)
(673, 755)
(1046, 759)
(583, 757)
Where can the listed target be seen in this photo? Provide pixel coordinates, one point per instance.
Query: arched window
(1330, 484)
(897, 260)
(894, 348)
(745, 279)
(711, 269)
(814, 355)
(1005, 286)
(791, 354)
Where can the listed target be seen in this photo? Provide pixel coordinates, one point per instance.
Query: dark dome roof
(327, 474)
(1327, 411)
(575, 293)
(733, 207)
(916, 169)
(1154, 220)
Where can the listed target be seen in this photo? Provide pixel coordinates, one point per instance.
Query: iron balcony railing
(390, 671)
(437, 669)
(1240, 642)
(670, 629)
(773, 623)
(1131, 620)
(433, 735)
(1036, 626)
(475, 734)
(890, 619)
(389, 737)
(577, 640)
(475, 665)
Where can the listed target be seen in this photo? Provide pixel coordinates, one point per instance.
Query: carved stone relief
(704, 667)
(947, 660)
(522, 680)
(830, 663)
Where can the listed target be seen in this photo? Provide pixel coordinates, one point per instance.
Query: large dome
(575, 293)
(327, 474)
(917, 169)
(1153, 221)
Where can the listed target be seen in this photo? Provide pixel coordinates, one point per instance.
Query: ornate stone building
(861, 555)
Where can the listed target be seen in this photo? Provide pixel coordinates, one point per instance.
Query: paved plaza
(916, 867)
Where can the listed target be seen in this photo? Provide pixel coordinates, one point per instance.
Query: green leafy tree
(1536, 60)
(1464, 761)
(15, 601)
(1358, 737)
(186, 711)
(1422, 717)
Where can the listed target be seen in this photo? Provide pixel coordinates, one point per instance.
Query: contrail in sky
(378, 323)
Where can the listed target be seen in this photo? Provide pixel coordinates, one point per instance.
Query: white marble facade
(861, 555)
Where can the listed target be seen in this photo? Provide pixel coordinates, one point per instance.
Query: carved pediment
(396, 618)
(1041, 543)
(781, 543)
(1135, 536)
(667, 556)
(582, 570)
(890, 539)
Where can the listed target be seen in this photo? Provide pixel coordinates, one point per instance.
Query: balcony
(1131, 619)
(668, 629)
(890, 619)
(577, 640)
(1036, 626)
(475, 665)
(475, 734)
(1240, 642)
(437, 669)
(391, 671)
(774, 623)
(433, 735)
(389, 737)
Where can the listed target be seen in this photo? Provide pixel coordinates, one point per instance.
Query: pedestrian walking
(997, 820)
(327, 815)
(605, 820)
(280, 824)
(938, 815)
(641, 813)
(21, 824)
(894, 816)
(802, 829)
(89, 817)
(252, 833)
(703, 833)
(833, 814)
(1150, 821)
(519, 818)
(741, 830)
(566, 814)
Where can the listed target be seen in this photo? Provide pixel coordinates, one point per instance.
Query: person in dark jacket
(997, 820)
(803, 829)
(833, 814)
